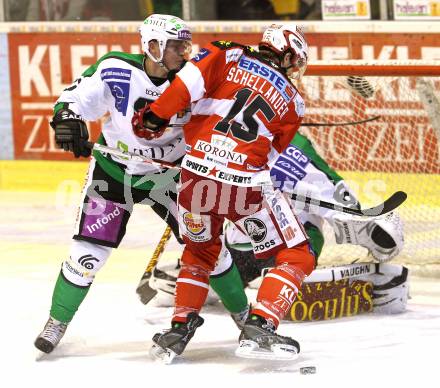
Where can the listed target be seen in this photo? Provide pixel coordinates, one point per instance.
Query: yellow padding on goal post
(39, 175)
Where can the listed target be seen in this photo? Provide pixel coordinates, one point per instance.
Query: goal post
(399, 150)
(382, 68)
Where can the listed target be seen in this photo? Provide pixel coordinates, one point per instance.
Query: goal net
(398, 150)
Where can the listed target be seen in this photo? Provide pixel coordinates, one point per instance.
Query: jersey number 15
(248, 131)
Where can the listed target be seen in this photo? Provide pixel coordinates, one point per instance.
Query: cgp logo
(296, 154)
(193, 223)
(88, 261)
(256, 229)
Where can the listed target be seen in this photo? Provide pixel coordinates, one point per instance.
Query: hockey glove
(71, 132)
(147, 125)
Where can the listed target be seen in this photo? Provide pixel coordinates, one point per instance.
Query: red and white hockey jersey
(244, 112)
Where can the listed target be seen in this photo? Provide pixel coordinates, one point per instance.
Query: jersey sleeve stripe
(193, 80)
(210, 106)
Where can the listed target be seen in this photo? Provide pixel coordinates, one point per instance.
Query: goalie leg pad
(348, 290)
(390, 289)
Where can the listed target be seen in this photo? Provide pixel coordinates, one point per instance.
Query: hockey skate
(259, 340)
(172, 342)
(51, 335)
(240, 317)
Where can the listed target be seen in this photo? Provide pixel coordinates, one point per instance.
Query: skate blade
(40, 356)
(166, 356)
(278, 352)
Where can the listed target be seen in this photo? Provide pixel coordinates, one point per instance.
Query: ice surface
(107, 343)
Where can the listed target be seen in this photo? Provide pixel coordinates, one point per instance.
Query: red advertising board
(42, 64)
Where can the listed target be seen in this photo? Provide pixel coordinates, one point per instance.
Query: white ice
(107, 343)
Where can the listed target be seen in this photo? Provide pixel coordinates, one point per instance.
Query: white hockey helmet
(163, 28)
(284, 38)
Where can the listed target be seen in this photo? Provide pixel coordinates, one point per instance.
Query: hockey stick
(339, 124)
(130, 156)
(390, 204)
(145, 292)
(320, 124)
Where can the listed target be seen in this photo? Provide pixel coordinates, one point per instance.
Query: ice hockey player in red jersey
(245, 111)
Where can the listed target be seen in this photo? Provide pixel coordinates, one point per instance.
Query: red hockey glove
(147, 125)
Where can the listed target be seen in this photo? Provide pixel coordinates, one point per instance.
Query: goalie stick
(320, 124)
(387, 206)
(394, 201)
(145, 292)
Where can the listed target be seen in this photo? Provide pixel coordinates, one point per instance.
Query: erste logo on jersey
(276, 79)
(118, 80)
(203, 53)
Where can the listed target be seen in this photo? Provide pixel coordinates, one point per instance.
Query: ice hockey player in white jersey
(118, 83)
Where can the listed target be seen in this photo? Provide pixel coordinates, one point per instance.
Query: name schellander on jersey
(250, 117)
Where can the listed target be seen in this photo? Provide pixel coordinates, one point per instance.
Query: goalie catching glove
(148, 125)
(71, 132)
(382, 236)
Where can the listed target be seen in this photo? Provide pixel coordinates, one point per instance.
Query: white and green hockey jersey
(113, 89)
